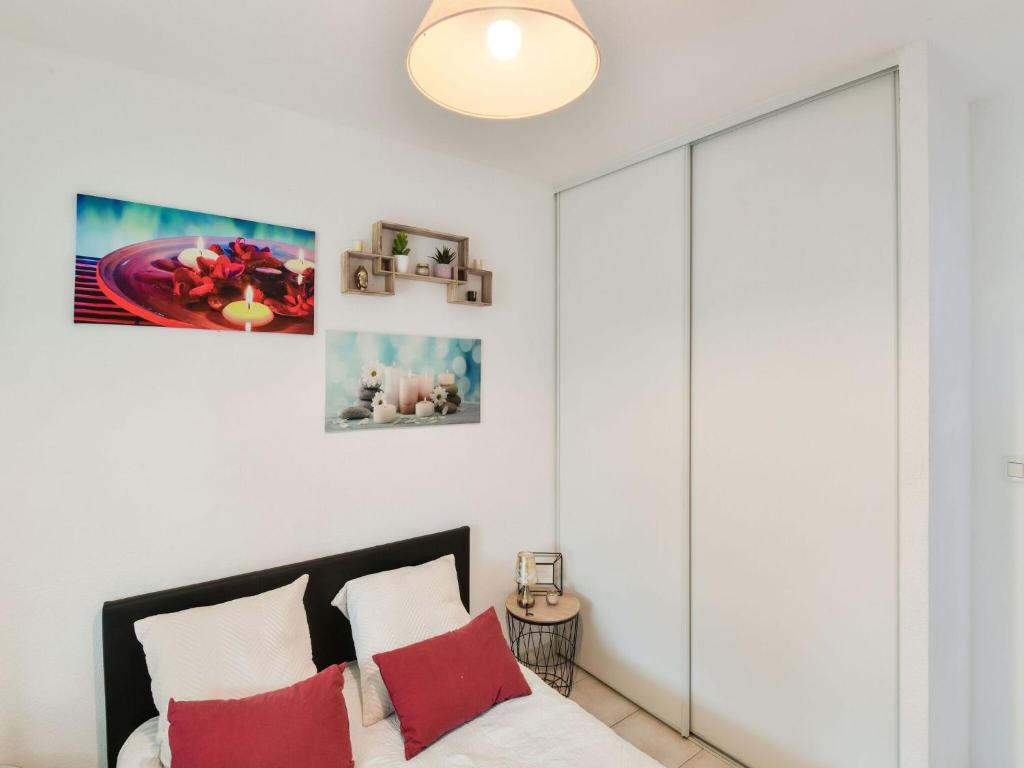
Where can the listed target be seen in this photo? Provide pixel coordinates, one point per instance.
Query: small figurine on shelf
(443, 258)
(362, 278)
(400, 250)
(423, 269)
(470, 295)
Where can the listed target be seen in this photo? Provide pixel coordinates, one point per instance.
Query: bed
(541, 729)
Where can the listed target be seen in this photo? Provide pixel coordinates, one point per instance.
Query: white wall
(949, 532)
(134, 459)
(997, 127)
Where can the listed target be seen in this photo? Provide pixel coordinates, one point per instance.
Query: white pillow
(392, 609)
(227, 651)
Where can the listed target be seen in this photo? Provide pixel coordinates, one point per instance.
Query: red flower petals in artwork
(297, 302)
(191, 286)
(224, 268)
(250, 255)
(219, 281)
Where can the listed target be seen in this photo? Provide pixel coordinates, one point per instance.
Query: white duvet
(543, 729)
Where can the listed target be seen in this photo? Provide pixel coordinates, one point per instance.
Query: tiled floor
(639, 728)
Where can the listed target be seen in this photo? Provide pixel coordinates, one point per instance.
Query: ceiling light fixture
(503, 59)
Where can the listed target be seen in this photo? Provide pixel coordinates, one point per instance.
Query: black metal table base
(548, 649)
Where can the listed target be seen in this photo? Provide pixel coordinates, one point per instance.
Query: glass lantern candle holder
(525, 578)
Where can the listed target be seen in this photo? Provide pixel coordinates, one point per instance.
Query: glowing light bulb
(504, 39)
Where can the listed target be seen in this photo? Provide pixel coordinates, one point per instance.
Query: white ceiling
(669, 66)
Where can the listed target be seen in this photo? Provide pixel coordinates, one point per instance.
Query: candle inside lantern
(299, 265)
(424, 408)
(190, 256)
(446, 378)
(408, 394)
(385, 413)
(248, 314)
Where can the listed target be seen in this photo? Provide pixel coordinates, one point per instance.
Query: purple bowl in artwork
(131, 279)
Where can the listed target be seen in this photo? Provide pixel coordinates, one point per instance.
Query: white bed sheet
(543, 729)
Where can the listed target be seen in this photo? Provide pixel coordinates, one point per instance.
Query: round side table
(545, 639)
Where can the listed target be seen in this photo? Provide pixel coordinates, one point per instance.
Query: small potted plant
(400, 250)
(443, 260)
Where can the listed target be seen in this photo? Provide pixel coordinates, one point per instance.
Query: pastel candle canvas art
(386, 381)
(140, 264)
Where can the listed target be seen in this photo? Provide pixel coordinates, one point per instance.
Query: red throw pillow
(438, 684)
(305, 724)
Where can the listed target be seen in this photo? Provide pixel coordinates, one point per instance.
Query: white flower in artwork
(378, 399)
(373, 375)
(439, 397)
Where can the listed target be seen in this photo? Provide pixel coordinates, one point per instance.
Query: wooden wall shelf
(383, 268)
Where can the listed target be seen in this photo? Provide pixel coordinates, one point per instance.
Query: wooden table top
(542, 613)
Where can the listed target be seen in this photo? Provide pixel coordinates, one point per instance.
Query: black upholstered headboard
(129, 700)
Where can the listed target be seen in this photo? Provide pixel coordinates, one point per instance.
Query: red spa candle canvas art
(139, 264)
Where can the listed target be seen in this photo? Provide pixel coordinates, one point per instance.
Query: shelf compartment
(386, 231)
(428, 278)
(380, 269)
(479, 280)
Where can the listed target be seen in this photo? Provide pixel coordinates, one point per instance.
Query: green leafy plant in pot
(400, 250)
(444, 259)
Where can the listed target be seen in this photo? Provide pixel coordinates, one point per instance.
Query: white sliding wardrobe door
(793, 409)
(623, 345)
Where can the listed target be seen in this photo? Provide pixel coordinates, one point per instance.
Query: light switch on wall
(1015, 469)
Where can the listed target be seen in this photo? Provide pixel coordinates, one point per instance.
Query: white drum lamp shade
(503, 60)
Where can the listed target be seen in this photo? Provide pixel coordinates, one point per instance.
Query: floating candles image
(146, 265)
(446, 378)
(299, 265)
(248, 314)
(385, 413)
(190, 256)
(424, 408)
(408, 394)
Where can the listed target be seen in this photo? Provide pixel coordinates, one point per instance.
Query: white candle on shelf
(392, 377)
(408, 394)
(384, 413)
(424, 408)
(190, 256)
(446, 378)
(357, 245)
